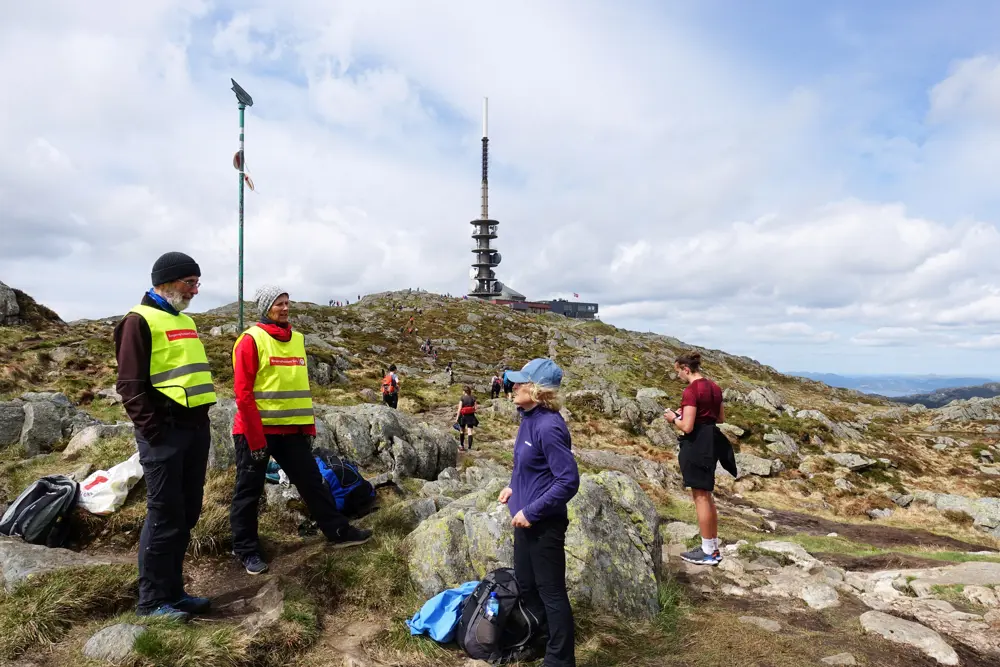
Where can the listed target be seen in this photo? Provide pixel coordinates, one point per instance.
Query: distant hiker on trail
(390, 388)
(544, 480)
(508, 386)
(702, 446)
(448, 370)
(495, 386)
(466, 417)
(274, 418)
(166, 389)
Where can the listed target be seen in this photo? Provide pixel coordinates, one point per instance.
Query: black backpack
(510, 636)
(40, 515)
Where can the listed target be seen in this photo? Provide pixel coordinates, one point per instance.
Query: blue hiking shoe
(254, 564)
(168, 612)
(699, 557)
(193, 605)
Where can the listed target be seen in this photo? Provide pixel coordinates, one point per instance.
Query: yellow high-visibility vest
(281, 389)
(178, 365)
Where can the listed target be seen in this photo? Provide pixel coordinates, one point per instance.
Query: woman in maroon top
(702, 445)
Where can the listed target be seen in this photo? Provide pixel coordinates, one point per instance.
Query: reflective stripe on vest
(178, 365)
(281, 388)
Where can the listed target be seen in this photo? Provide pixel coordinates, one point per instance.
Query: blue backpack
(353, 494)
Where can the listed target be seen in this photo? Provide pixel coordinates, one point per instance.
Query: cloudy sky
(816, 185)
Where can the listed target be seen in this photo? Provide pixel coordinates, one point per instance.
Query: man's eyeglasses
(191, 283)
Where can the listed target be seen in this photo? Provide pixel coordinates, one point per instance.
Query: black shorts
(697, 458)
(470, 421)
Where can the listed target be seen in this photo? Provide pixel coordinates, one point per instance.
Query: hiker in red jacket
(275, 418)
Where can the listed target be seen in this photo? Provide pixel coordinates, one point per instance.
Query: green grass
(374, 577)
(170, 644)
(840, 545)
(42, 609)
(604, 639)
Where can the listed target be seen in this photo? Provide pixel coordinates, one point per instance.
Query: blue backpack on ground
(353, 494)
(439, 616)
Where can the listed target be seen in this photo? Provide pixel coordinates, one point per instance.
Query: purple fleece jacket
(545, 473)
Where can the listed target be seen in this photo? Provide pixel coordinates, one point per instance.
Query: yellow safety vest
(282, 385)
(178, 366)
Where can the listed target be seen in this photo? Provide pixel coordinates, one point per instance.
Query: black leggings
(540, 568)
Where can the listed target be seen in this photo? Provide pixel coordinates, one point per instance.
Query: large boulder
(222, 452)
(10, 311)
(92, 435)
(612, 544)
(638, 468)
(780, 443)
(851, 461)
(748, 464)
(650, 392)
(11, 421)
(377, 435)
(42, 427)
(908, 633)
(19, 561)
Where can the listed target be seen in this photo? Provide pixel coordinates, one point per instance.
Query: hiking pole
(245, 101)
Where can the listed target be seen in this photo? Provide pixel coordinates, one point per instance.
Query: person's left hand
(519, 521)
(670, 415)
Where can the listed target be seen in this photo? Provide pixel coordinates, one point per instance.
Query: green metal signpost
(244, 101)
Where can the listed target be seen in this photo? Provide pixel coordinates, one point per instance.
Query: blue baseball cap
(542, 372)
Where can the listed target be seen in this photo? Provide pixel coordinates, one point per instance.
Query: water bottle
(492, 607)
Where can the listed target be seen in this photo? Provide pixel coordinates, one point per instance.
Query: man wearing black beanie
(166, 387)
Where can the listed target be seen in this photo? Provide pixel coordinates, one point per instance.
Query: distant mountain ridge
(896, 386)
(941, 397)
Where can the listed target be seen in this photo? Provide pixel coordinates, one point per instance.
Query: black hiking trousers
(293, 452)
(174, 470)
(540, 569)
(392, 400)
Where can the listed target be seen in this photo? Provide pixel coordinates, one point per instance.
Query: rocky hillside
(858, 531)
(941, 397)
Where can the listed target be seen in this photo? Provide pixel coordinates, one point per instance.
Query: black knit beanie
(173, 266)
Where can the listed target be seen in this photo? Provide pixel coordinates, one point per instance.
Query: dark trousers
(392, 400)
(293, 453)
(540, 568)
(494, 392)
(174, 470)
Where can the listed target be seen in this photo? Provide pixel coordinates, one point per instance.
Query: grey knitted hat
(265, 297)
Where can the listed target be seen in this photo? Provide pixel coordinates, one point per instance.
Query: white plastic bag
(105, 491)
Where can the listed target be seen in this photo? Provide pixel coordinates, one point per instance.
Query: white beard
(177, 301)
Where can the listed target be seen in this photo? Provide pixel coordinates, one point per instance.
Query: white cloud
(790, 332)
(672, 181)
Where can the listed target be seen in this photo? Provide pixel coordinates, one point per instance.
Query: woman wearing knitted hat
(544, 480)
(275, 418)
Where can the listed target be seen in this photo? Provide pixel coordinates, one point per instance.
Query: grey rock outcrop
(780, 443)
(638, 468)
(985, 512)
(113, 644)
(612, 544)
(909, 633)
(42, 427)
(92, 435)
(376, 435)
(19, 561)
(851, 461)
(11, 422)
(10, 311)
(748, 464)
(222, 451)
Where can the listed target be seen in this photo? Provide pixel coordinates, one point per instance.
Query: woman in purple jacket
(545, 478)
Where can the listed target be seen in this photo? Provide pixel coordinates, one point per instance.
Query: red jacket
(247, 422)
